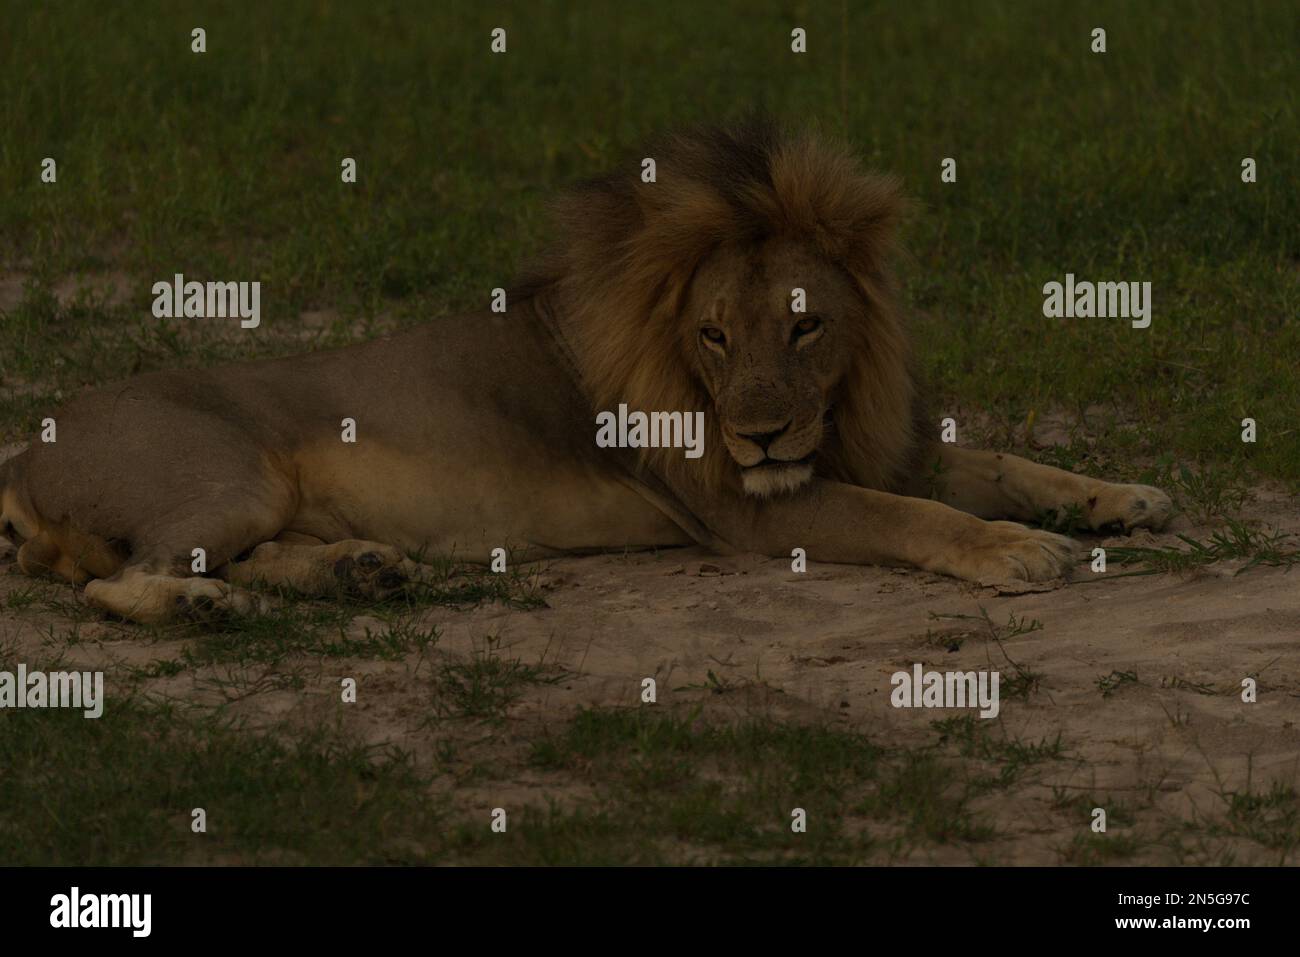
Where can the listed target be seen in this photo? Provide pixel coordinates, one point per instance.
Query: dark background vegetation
(1120, 166)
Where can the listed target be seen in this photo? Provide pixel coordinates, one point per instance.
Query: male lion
(476, 432)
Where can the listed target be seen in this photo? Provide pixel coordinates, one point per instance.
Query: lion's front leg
(996, 485)
(835, 522)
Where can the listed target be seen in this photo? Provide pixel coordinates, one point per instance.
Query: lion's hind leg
(41, 547)
(173, 551)
(355, 568)
(63, 551)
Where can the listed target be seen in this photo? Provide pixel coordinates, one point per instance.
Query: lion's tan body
(478, 432)
(253, 452)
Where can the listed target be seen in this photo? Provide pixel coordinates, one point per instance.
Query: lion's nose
(764, 439)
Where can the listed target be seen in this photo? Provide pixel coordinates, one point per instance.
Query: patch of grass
(121, 789)
(1270, 818)
(1075, 455)
(488, 684)
(1080, 806)
(393, 642)
(666, 787)
(1235, 542)
(1212, 493)
(443, 211)
(62, 638)
(452, 583)
(1023, 681)
(949, 639)
(920, 793)
(973, 738)
(300, 629)
(8, 654)
(288, 629)
(236, 682)
(24, 597)
(985, 626)
(443, 581)
(714, 684)
(1088, 849)
(1182, 684)
(1064, 521)
(49, 597)
(1109, 684)
(726, 790)
(158, 668)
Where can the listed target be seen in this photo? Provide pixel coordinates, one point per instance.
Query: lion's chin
(768, 480)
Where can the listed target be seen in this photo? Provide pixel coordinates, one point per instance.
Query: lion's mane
(624, 253)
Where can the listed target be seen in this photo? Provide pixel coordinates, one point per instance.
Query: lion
(666, 294)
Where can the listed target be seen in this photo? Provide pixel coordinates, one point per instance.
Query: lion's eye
(806, 325)
(714, 335)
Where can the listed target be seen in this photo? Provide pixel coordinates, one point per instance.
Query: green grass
(974, 738)
(121, 789)
(984, 626)
(450, 583)
(1235, 542)
(294, 627)
(1117, 166)
(1109, 684)
(727, 789)
(647, 786)
(1205, 495)
(1090, 849)
(488, 683)
(1270, 817)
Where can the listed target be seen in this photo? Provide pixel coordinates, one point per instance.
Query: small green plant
(1235, 542)
(1109, 684)
(485, 686)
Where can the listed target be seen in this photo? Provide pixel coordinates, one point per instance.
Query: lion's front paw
(1007, 552)
(1129, 506)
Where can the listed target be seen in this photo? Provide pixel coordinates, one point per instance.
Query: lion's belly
(469, 507)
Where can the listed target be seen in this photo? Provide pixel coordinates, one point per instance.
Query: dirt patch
(106, 289)
(1139, 675)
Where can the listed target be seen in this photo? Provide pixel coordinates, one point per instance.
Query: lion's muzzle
(774, 459)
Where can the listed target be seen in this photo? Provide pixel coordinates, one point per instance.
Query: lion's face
(770, 370)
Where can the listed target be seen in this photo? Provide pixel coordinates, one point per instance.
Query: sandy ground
(823, 644)
(830, 639)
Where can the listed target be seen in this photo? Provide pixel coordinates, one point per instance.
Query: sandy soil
(823, 644)
(830, 639)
